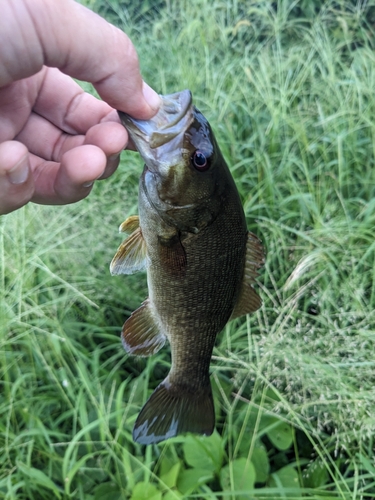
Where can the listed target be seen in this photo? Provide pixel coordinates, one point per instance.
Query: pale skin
(55, 139)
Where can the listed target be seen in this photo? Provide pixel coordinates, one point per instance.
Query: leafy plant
(289, 90)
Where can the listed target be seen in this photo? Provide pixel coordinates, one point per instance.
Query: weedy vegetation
(289, 89)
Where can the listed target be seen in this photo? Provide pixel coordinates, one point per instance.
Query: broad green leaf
(170, 477)
(281, 435)
(243, 476)
(315, 475)
(107, 491)
(204, 452)
(145, 491)
(286, 479)
(166, 464)
(272, 394)
(38, 477)
(259, 459)
(366, 464)
(190, 479)
(172, 495)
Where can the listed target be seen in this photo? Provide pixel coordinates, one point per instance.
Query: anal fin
(173, 409)
(248, 300)
(141, 335)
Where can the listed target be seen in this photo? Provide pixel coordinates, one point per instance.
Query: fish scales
(201, 263)
(193, 308)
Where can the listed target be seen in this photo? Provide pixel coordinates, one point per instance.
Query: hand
(55, 139)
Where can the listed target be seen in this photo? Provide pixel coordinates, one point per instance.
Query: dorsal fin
(131, 255)
(141, 335)
(248, 300)
(130, 224)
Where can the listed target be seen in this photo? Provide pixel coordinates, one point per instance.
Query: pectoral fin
(131, 255)
(141, 335)
(248, 300)
(172, 255)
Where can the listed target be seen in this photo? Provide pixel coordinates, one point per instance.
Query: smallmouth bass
(201, 262)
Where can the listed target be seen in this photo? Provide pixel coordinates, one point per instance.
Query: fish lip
(171, 119)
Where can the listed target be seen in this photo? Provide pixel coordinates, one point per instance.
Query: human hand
(55, 139)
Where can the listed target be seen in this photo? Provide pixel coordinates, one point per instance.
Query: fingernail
(20, 172)
(151, 96)
(112, 163)
(116, 156)
(90, 183)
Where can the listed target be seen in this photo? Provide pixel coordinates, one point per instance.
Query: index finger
(67, 35)
(64, 103)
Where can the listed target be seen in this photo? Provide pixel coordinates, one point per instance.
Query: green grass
(290, 95)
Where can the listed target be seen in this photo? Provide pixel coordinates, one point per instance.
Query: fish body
(201, 263)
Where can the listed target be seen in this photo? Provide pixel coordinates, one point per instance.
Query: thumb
(16, 181)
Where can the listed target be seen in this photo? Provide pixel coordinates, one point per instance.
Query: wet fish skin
(201, 263)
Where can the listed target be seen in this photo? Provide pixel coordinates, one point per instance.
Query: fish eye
(200, 161)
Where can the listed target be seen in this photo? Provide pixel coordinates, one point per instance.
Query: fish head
(183, 174)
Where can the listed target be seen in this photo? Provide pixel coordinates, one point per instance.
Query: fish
(202, 263)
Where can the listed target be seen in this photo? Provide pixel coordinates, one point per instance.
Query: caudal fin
(173, 409)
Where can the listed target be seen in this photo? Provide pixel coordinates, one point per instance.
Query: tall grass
(292, 101)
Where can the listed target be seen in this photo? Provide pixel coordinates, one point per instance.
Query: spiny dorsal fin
(131, 255)
(248, 300)
(130, 224)
(141, 335)
(173, 409)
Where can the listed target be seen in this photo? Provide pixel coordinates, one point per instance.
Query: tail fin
(174, 409)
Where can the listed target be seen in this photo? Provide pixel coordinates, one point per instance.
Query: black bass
(201, 262)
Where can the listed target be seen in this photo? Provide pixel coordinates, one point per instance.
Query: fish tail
(173, 409)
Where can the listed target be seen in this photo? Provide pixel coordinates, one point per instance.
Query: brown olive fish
(201, 262)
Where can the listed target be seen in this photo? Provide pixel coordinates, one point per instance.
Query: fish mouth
(172, 118)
